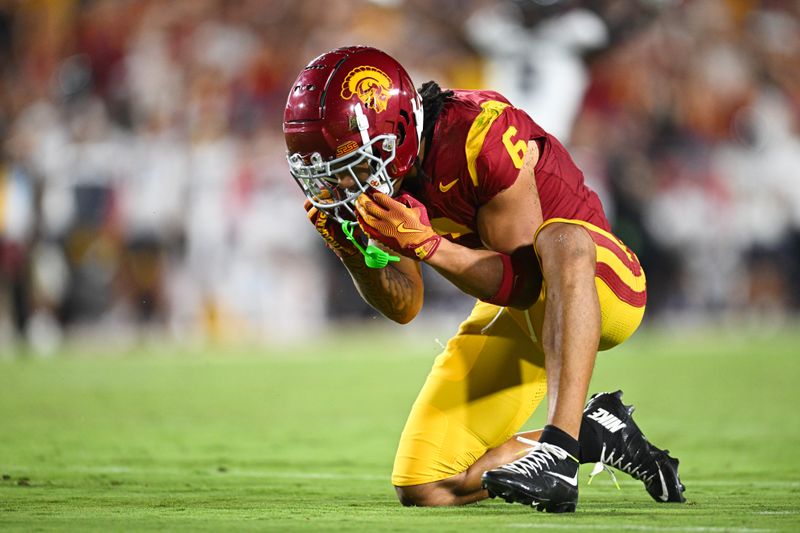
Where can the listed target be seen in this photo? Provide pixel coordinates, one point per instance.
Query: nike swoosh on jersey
(446, 187)
(664, 492)
(403, 229)
(571, 480)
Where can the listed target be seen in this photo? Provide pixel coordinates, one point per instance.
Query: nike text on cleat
(623, 446)
(607, 420)
(545, 478)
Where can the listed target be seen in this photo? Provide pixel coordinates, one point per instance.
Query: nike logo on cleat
(571, 480)
(664, 492)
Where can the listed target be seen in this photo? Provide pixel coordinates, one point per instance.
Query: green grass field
(303, 438)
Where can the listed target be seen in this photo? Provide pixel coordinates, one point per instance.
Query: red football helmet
(349, 106)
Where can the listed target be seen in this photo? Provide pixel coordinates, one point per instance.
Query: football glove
(331, 231)
(401, 224)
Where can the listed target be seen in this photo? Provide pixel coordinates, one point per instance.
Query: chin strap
(374, 257)
(362, 122)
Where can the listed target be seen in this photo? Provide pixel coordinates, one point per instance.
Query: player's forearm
(394, 291)
(478, 273)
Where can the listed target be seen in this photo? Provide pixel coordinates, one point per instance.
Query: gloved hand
(400, 223)
(331, 231)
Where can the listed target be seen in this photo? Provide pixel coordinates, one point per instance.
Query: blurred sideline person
(536, 56)
(472, 186)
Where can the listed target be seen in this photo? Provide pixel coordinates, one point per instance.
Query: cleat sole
(565, 507)
(512, 495)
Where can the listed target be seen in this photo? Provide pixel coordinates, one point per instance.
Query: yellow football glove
(400, 223)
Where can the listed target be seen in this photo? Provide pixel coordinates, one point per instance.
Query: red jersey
(478, 144)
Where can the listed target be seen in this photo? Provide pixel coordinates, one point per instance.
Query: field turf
(302, 437)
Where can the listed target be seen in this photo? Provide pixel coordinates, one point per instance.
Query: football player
(464, 181)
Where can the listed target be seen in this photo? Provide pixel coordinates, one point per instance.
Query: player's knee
(427, 495)
(561, 242)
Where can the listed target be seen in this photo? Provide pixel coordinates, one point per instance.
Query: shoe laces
(599, 467)
(539, 457)
(620, 461)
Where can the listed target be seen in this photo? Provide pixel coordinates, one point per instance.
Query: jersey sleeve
(499, 158)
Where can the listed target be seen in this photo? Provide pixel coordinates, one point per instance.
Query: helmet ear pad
(408, 128)
(404, 125)
(403, 140)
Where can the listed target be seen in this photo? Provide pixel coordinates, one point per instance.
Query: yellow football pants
(491, 376)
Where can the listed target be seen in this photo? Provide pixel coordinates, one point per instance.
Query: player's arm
(506, 274)
(507, 224)
(567, 254)
(395, 291)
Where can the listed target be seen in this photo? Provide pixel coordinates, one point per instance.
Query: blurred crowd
(143, 183)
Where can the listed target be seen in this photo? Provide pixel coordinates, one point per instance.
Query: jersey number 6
(515, 149)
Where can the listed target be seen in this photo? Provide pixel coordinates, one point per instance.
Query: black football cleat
(545, 478)
(610, 437)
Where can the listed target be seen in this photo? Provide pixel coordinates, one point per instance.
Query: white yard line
(766, 483)
(308, 475)
(114, 469)
(289, 474)
(633, 527)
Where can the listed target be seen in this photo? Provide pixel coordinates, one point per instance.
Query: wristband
(503, 295)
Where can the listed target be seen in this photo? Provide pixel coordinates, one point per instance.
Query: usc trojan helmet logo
(370, 84)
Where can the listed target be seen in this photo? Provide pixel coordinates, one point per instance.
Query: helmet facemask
(318, 178)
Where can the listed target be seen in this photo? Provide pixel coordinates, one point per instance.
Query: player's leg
(570, 358)
(480, 391)
(465, 487)
(609, 435)
(547, 476)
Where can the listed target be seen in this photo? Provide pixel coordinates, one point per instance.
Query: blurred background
(144, 190)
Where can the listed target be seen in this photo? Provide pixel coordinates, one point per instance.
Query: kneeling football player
(472, 186)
